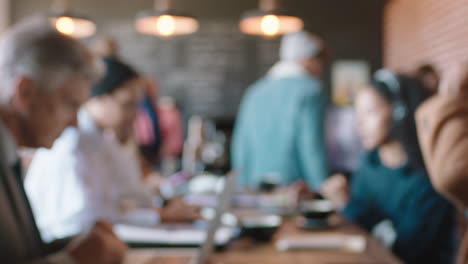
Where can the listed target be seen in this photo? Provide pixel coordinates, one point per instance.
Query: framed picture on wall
(348, 76)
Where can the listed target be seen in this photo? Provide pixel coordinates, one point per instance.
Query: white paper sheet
(144, 256)
(352, 243)
(173, 236)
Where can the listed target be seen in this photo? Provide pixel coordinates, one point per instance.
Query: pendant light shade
(78, 27)
(164, 21)
(270, 20)
(68, 23)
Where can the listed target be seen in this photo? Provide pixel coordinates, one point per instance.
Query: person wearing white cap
(279, 132)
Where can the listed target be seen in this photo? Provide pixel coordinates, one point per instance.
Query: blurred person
(172, 134)
(171, 127)
(343, 147)
(429, 77)
(147, 127)
(443, 134)
(279, 132)
(88, 174)
(105, 46)
(45, 77)
(192, 161)
(145, 142)
(391, 181)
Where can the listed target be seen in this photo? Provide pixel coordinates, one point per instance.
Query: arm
(443, 135)
(99, 245)
(463, 251)
(426, 229)
(336, 189)
(360, 208)
(125, 199)
(57, 245)
(310, 140)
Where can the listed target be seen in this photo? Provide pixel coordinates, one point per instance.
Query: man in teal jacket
(279, 132)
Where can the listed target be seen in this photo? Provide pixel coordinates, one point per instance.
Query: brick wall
(425, 31)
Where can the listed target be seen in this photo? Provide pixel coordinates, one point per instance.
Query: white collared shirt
(85, 177)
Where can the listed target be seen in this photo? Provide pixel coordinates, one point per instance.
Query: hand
(303, 190)
(336, 190)
(99, 246)
(179, 211)
(463, 251)
(455, 81)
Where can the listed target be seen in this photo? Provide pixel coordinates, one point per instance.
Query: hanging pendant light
(68, 23)
(270, 20)
(164, 21)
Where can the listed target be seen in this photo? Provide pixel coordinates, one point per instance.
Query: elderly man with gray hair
(279, 133)
(45, 77)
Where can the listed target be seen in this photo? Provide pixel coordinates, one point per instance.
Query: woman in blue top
(391, 182)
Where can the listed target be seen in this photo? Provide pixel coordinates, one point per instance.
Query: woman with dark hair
(391, 182)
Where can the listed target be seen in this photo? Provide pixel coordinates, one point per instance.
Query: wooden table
(243, 252)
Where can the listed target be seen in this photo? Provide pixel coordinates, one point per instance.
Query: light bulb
(65, 25)
(270, 25)
(166, 25)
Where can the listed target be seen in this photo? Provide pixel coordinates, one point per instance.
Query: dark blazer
(20, 241)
